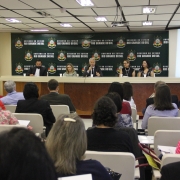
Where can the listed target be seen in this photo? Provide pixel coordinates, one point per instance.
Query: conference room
(59, 32)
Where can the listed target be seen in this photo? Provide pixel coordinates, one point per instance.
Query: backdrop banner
(108, 49)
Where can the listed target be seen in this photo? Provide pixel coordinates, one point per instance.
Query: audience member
(38, 70)
(6, 117)
(70, 70)
(123, 120)
(162, 106)
(67, 144)
(54, 98)
(127, 70)
(24, 157)
(104, 137)
(145, 70)
(92, 69)
(2, 106)
(128, 94)
(117, 87)
(12, 97)
(31, 104)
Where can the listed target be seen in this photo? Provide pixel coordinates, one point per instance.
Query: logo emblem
(28, 55)
(83, 67)
(19, 69)
(86, 44)
(51, 43)
(121, 43)
(96, 55)
(157, 42)
(131, 55)
(51, 68)
(157, 68)
(119, 67)
(61, 55)
(18, 43)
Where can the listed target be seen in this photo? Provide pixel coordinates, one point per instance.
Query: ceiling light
(147, 23)
(149, 10)
(66, 25)
(100, 19)
(13, 20)
(85, 2)
(39, 30)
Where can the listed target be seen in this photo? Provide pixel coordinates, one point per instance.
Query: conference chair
(11, 108)
(162, 123)
(121, 162)
(59, 109)
(166, 138)
(167, 159)
(36, 121)
(135, 117)
(6, 127)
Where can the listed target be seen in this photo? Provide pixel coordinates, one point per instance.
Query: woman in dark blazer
(32, 104)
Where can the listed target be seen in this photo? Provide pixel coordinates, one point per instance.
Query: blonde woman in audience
(67, 143)
(162, 107)
(70, 70)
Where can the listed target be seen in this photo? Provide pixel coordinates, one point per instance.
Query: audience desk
(85, 91)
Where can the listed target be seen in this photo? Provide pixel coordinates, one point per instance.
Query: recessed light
(100, 18)
(147, 23)
(149, 10)
(85, 2)
(13, 20)
(66, 25)
(39, 30)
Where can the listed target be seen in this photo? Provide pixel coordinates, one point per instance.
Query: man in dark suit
(38, 70)
(54, 98)
(150, 100)
(92, 69)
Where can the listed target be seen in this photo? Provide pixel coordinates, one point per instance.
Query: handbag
(114, 175)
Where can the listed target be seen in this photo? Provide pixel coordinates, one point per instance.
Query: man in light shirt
(38, 70)
(12, 97)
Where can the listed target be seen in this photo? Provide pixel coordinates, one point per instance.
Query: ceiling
(82, 19)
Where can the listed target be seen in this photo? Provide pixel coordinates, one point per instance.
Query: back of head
(23, 156)
(67, 143)
(127, 90)
(116, 87)
(104, 112)
(158, 83)
(116, 99)
(162, 99)
(9, 86)
(30, 90)
(52, 84)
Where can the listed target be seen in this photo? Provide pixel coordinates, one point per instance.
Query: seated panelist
(92, 69)
(127, 70)
(38, 70)
(145, 70)
(70, 70)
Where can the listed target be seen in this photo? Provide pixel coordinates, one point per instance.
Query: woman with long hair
(67, 143)
(145, 70)
(162, 107)
(70, 70)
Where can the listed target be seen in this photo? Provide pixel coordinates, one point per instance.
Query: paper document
(167, 149)
(79, 177)
(24, 122)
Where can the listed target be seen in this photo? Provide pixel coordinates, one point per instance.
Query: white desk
(146, 139)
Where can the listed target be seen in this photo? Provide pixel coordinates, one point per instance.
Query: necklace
(127, 71)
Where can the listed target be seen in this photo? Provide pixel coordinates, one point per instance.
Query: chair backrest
(134, 114)
(123, 163)
(162, 123)
(170, 158)
(36, 121)
(11, 108)
(166, 138)
(9, 127)
(60, 109)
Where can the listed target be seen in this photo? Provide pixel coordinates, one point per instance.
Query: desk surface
(90, 80)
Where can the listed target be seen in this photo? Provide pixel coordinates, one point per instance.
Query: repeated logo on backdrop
(131, 55)
(157, 42)
(51, 43)
(28, 55)
(119, 67)
(61, 55)
(157, 68)
(86, 44)
(121, 42)
(51, 68)
(18, 43)
(19, 68)
(96, 55)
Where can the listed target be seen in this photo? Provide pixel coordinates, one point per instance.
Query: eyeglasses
(69, 120)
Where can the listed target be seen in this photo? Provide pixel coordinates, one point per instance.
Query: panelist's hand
(89, 68)
(97, 74)
(31, 75)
